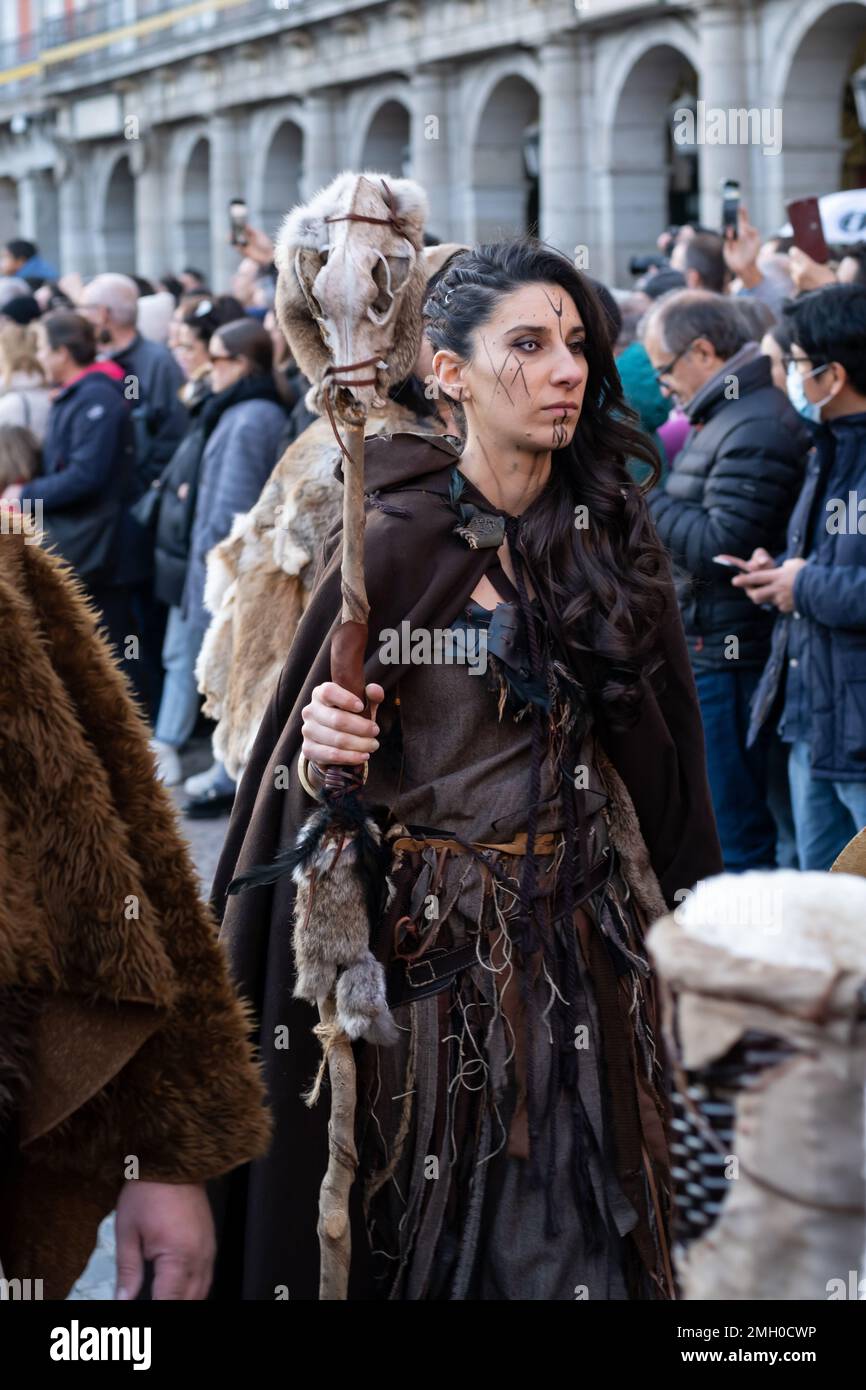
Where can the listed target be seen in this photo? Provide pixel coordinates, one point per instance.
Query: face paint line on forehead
(557, 311)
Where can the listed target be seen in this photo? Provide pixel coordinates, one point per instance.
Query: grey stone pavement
(205, 838)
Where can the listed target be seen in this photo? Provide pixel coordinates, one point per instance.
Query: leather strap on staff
(392, 220)
(358, 381)
(348, 646)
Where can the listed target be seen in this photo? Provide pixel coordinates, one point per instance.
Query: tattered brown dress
(512, 1142)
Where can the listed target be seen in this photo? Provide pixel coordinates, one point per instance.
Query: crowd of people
(143, 418)
(148, 428)
(761, 351)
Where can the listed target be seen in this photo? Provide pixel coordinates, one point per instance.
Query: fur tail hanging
(338, 864)
(339, 874)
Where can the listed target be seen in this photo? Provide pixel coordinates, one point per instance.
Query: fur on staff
(338, 864)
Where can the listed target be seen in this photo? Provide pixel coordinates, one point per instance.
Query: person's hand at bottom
(171, 1225)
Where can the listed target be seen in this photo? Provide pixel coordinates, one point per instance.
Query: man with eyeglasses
(814, 685)
(729, 492)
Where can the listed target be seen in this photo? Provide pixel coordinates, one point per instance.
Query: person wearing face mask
(814, 684)
(729, 491)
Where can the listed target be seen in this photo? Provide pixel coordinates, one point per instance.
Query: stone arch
(264, 129)
(361, 109)
(278, 185)
(480, 83)
(386, 143)
(46, 214)
(647, 181)
(195, 218)
(504, 189)
(816, 53)
(115, 228)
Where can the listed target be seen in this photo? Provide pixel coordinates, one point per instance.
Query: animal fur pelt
(17, 1011)
(372, 271)
(338, 870)
(129, 1040)
(260, 577)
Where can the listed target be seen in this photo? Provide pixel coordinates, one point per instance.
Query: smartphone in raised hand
(804, 215)
(238, 217)
(730, 562)
(730, 208)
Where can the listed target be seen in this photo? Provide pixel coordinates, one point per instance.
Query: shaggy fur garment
(137, 1044)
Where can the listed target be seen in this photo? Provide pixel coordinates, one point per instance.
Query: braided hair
(608, 581)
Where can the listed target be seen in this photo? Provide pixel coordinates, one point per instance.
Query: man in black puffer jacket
(730, 492)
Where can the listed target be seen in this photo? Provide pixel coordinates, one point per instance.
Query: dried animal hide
(765, 982)
(332, 927)
(338, 863)
(260, 577)
(352, 290)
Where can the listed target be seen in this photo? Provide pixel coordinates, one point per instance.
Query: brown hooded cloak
(417, 570)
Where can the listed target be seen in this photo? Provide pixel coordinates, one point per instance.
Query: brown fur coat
(259, 580)
(120, 1035)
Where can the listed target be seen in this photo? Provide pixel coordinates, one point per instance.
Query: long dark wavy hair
(608, 582)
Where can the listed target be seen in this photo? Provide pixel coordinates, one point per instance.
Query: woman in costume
(537, 817)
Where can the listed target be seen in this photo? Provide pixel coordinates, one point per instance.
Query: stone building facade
(127, 126)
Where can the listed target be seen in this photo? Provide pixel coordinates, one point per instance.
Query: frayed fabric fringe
(490, 1072)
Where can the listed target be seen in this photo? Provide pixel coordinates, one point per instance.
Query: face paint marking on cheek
(519, 372)
(560, 434)
(498, 375)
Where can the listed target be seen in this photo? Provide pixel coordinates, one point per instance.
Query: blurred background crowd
(141, 418)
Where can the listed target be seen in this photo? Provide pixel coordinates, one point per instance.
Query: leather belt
(435, 969)
(415, 979)
(544, 844)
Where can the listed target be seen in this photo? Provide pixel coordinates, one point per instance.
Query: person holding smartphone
(729, 492)
(814, 683)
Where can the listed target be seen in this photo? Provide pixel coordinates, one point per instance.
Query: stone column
(228, 179)
(431, 137)
(151, 221)
(321, 154)
(76, 239)
(567, 213)
(28, 206)
(723, 86)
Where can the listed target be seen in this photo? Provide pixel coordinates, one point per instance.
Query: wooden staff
(347, 669)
